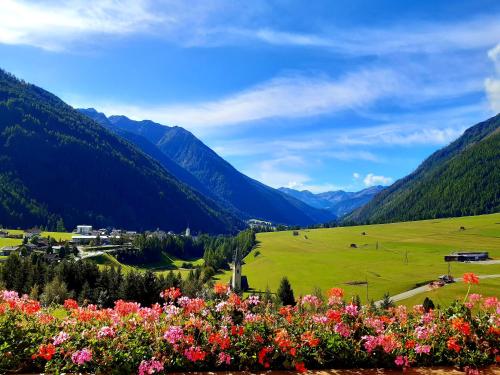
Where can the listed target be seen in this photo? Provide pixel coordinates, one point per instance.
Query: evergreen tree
(54, 292)
(60, 225)
(428, 304)
(285, 292)
(387, 302)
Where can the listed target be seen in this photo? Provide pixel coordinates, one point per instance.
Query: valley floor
(372, 260)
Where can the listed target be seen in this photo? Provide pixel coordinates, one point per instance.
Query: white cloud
(401, 134)
(478, 32)
(372, 180)
(356, 175)
(492, 84)
(281, 97)
(56, 24)
(52, 25)
(287, 171)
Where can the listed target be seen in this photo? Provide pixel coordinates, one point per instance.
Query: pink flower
(422, 333)
(342, 329)
(311, 300)
(474, 298)
(351, 309)
(253, 300)
(150, 367)
(106, 332)
(490, 302)
(81, 356)
(320, 319)
(422, 349)
(9, 295)
(402, 361)
(224, 358)
(371, 342)
(174, 334)
(471, 371)
(60, 338)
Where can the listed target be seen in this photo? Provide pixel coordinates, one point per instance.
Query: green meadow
(372, 260)
(167, 264)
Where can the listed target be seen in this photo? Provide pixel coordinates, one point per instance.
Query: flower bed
(228, 333)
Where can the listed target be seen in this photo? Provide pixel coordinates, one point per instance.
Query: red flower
(237, 330)
(410, 344)
(309, 339)
(334, 316)
(336, 292)
(452, 345)
(470, 278)
(262, 356)
(171, 293)
(220, 288)
(45, 351)
(31, 307)
(459, 325)
(300, 367)
(70, 304)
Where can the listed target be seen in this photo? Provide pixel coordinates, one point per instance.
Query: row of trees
(83, 280)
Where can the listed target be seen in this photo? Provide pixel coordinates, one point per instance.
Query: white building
(84, 229)
(188, 232)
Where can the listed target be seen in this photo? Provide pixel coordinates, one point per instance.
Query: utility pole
(367, 299)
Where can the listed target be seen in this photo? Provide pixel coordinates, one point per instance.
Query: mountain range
(460, 179)
(198, 166)
(79, 166)
(338, 202)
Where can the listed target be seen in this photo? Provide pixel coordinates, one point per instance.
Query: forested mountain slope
(57, 163)
(238, 193)
(460, 179)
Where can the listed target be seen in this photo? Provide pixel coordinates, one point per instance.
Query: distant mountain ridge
(238, 193)
(460, 179)
(337, 202)
(56, 163)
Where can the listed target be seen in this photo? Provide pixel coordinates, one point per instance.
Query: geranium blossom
(150, 367)
(81, 356)
(60, 338)
(229, 332)
(470, 278)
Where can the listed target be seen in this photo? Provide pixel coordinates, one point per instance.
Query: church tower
(236, 279)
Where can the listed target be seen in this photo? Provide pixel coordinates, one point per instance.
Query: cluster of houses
(258, 224)
(85, 235)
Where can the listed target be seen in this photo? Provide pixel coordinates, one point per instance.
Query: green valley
(391, 258)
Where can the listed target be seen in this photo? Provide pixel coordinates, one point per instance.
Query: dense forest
(57, 163)
(458, 180)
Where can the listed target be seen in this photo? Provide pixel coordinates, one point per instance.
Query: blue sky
(317, 95)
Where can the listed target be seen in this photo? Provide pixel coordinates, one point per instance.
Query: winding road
(427, 288)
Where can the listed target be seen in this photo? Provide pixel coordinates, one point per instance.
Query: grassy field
(392, 258)
(58, 236)
(163, 267)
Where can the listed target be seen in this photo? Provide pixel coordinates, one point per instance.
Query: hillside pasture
(371, 260)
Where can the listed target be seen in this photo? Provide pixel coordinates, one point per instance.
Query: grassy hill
(408, 253)
(458, 180)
